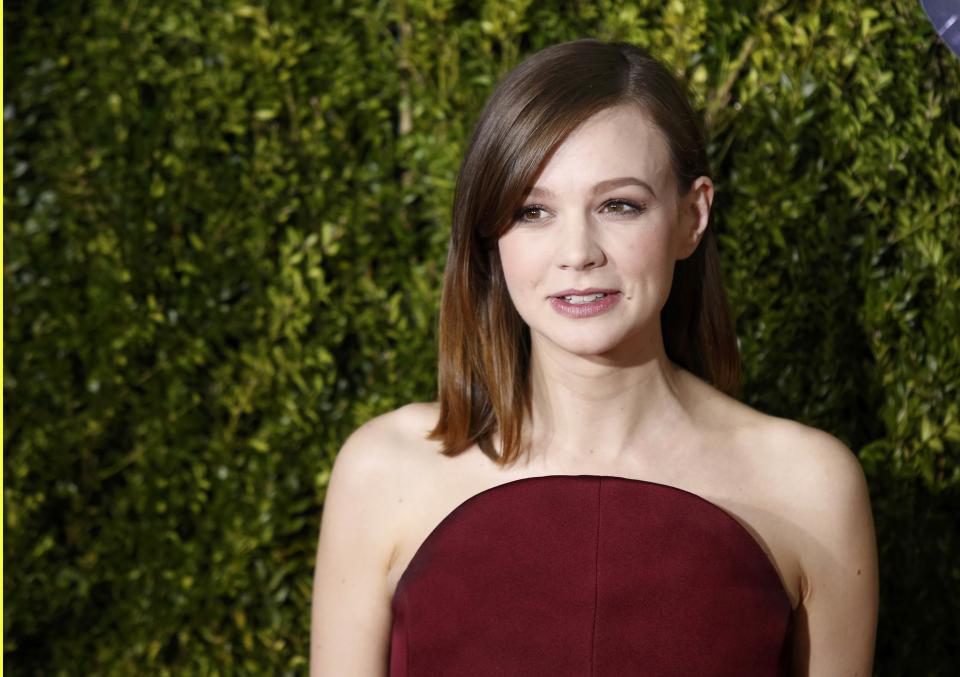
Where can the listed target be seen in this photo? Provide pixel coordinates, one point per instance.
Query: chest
(588, 574)
(754, 510)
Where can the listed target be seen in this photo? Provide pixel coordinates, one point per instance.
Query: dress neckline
(448, 518)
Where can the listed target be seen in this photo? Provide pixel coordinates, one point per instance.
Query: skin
(606, 401)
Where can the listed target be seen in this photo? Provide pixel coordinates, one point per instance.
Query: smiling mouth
(588, 303)
(585, 298)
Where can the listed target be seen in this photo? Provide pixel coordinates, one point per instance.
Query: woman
(588, 496)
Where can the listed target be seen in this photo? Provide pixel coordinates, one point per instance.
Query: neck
(600, 410)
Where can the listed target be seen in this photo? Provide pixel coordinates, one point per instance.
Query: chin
(584, 344)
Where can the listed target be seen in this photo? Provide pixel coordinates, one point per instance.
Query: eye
(623, 207)
(530, 213)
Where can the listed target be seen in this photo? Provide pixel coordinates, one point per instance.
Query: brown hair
(484, 351)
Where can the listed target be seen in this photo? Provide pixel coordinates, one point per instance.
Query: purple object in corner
(945, 17)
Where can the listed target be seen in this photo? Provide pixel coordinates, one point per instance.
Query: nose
(577, 246)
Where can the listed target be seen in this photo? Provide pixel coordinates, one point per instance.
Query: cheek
(648, 253)
(648, 266)
(517, 261)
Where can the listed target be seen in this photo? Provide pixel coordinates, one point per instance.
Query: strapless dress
(589, 576)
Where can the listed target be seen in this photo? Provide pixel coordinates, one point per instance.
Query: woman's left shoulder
(822, 470)
(806, 476)
(822, 490)
(805, 457)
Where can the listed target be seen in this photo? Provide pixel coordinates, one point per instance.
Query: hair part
(484, 345)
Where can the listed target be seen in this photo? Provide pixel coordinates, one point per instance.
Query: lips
(584, 308)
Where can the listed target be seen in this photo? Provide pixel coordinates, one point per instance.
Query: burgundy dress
(589, 576)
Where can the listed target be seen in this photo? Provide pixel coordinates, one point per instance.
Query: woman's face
(602, 219)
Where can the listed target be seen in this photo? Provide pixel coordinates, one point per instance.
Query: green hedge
(225, 230)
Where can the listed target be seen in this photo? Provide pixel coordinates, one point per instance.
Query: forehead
(619, 141)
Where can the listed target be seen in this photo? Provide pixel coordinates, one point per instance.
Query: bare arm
(836, 622)
(350, 615)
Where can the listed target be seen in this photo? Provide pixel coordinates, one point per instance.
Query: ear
(694, 216)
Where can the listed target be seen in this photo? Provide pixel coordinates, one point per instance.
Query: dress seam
(596, 588)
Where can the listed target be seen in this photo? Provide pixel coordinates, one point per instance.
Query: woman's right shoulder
(396, 431)
(390, 445)
(364, 517)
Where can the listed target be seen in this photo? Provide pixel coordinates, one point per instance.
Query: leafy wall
(225, 229)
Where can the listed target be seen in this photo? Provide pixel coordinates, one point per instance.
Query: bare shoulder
(382, 472)
(378, 458)
(378, 444)
(818, 487)
(814, 468)
(828, 502)
(824, 475)
(350, 615)
(831, 496)
(807, 478)
(817, 480)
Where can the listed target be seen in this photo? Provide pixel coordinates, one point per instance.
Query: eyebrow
(601, 187)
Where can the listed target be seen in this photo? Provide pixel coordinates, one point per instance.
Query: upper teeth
(583, 299)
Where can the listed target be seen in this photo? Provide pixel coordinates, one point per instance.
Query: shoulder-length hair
(484, 347)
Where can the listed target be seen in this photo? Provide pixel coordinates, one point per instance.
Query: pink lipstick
(577, 303)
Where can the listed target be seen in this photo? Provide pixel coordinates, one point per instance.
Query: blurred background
(226, 224)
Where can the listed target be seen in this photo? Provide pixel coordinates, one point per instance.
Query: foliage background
(226, 224)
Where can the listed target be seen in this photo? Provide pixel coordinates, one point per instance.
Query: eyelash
(637, 209)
